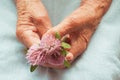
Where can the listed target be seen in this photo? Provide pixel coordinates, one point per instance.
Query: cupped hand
(80, 25)
(33, 21)
(78, 40)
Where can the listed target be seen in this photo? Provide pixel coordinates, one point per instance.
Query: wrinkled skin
(31, 13)
(80, 25)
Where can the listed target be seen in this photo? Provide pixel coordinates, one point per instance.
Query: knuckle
(40, 18)
(19, 32)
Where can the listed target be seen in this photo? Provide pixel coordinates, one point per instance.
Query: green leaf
(32, 68)
(66, 64)
(65, 45)
(57, 35)
(64, 52)
(25, 50)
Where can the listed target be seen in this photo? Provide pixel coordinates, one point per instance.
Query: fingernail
(69, 57)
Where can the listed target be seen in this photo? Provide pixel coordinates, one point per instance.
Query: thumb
(79, 43)
(76, 50)
(78, 46)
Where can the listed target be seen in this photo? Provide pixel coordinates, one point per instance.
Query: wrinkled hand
(80, 26)
(33, 21)
(78, 40)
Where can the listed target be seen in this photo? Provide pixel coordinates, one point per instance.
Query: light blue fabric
(101, 61)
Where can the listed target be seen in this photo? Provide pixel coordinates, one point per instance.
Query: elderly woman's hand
(31, 13)
(80, 26)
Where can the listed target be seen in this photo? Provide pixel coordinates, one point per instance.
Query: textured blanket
(101, 60)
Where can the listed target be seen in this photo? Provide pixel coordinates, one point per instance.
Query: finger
(40, 18)
(27, 35)
(66, 38)
(79, 42)
(77, 49)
